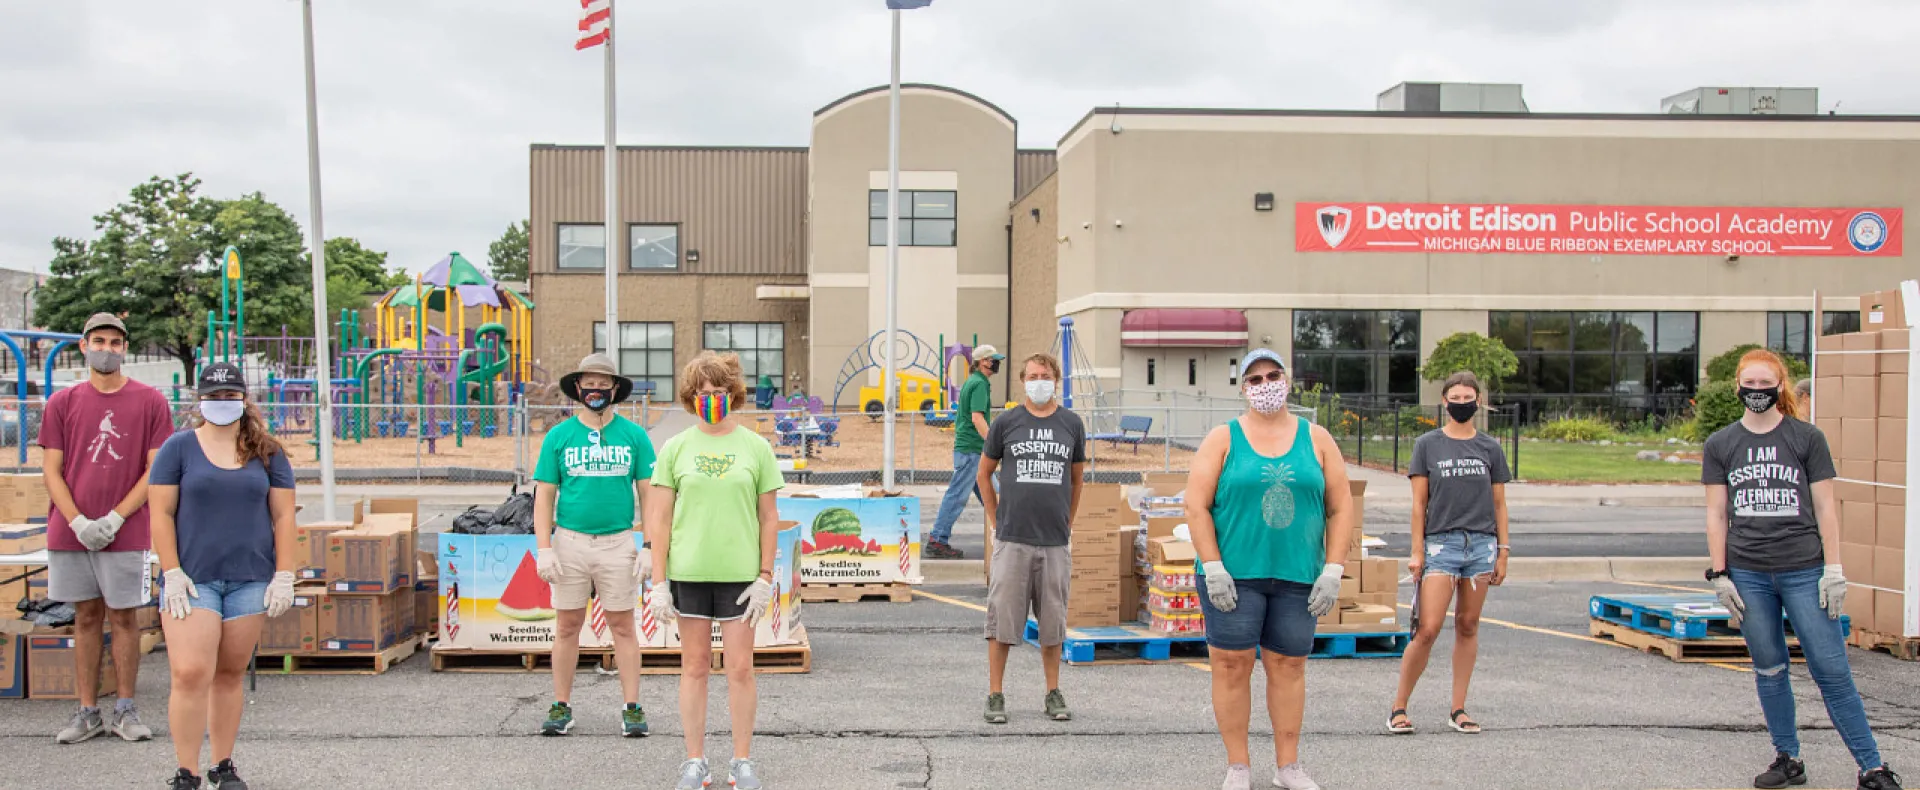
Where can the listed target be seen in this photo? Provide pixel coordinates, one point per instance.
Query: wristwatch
(1713, 574)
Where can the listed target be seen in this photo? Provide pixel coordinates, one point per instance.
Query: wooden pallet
(1897, 646)
(894, 592)
(355, 663)
(777, 659)
(458, 659)
(1713, 649)
(794, 659)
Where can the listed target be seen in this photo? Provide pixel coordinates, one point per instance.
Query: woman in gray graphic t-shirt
(1773, 534)
(1459, 544)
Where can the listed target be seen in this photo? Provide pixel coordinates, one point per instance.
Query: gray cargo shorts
(1028, 579)
(123, 578)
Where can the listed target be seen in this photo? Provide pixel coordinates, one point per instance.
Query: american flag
(596, 23)
(597, 619)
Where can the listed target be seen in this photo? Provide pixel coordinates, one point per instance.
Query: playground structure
(435, 377)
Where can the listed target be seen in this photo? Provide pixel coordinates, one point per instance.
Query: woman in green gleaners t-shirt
(711, 523)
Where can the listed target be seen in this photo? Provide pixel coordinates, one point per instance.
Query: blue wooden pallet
(1663, 615)
(1139, 642)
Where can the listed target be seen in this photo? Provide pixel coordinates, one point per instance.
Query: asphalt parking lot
(895, 694)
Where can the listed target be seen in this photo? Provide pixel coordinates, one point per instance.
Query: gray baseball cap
(104, 320)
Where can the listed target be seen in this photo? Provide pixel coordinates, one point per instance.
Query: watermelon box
(868, 540)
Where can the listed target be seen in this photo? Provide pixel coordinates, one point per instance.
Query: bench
(1133, 430)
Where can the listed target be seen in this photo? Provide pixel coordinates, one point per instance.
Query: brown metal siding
(743, 209)
(1030, 167)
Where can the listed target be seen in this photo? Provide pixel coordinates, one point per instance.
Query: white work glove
(178, 590)
(1833, 591)
(660, 602)
(1730, 598)
(1220, 587)
(546, 563)
(1326, 590)
(97, 533)
(280, 593)
(757, 597)
(640, 565)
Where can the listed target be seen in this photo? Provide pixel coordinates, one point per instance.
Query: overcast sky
(427, 107)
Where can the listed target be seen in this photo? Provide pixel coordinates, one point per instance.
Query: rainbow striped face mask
(713, 407)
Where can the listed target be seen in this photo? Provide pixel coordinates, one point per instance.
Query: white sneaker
(1294, 777)
(1239, 777)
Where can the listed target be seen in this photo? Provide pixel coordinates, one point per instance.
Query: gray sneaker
(1057, 706)
(126, 724)
(996, 708)
(1239, 777)
(85, 725)
(1294, 777)
(694, 775)
(742, 775)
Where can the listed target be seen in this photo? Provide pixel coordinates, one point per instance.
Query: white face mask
(1040, 391)
(223, 412)
(1268, 397)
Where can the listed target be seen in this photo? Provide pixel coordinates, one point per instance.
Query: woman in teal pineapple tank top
(1271, 515)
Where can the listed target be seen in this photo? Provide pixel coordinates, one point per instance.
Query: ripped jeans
(1797, 593)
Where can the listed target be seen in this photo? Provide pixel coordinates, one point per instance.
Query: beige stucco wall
(948, 141)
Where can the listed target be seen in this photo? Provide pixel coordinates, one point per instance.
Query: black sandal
(1400, 729)
(1471, 727)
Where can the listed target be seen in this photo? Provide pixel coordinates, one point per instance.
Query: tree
(353, 272)
(155, 263)
(1485, 357)
(1721, 368)
(507, 257)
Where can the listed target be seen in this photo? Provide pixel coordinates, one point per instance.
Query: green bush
(1715, 406)
(1573, 429)
(1721, 368)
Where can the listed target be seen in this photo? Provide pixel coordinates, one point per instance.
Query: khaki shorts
(595, 563)
(1028, 579)
(123, 578)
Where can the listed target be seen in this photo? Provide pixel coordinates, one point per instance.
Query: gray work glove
(1220, 587)
(757, 597)
(179, 592)
(659, 602)
(1833, 591)
(1326, 590)
(1730, 598)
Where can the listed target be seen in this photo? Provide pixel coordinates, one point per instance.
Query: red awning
(1188, 327)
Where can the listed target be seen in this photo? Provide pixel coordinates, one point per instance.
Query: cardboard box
(51, 673)
(1162, 527)
(1104, 504)
(1857, 361)
(870, 540)
(297, 631)
(1107, 567)
(1860, 397)
(1889, 611)
(1890, 526)
(1826, 392)
(1332, 618)
(1369, 614)
(1092, 591)
(1169, 551)
(1859, 606)
(1830, 428)
(1881, 311)
(310, 541)
(373, 558)
(1891, 443)
(1110, 617)
(1857, 523)
(1895, 340)
(1133, 595)
(363, 623)
(1859, 440)
(1861, 472)
(1387, 599)
(399, 506)
(1893, 473)
(13, 665)
(22, 538)
(1889, 568)
(23, 497)
(1097, 541)
(1893, 395)
(1856, 561)
(1165, 483)
(1379, 575)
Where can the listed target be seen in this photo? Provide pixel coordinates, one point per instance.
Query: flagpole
(613, 235)
(322, 369)
(891, 380)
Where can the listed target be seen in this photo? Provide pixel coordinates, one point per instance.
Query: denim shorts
(1271, 614)
(230, 600)
(1461, 554)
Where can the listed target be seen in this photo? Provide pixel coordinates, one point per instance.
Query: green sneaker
(633, 721)
(559, 720)
(1057, 706)
(996, 708)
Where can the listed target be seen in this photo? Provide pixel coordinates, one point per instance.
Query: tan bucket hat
(603, 365)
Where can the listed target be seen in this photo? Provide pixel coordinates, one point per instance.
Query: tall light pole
(322, 370)
(891, 382)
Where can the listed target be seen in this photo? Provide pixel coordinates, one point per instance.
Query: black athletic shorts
(709, 600)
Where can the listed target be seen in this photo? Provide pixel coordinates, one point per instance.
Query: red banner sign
(1596, 230)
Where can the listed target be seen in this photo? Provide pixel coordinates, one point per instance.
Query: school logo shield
(1334, 221)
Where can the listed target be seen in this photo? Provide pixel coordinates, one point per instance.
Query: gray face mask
(107, 362)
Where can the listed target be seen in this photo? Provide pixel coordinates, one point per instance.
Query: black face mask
(1463, 412)
(597, 400)
(993, 368)
(1759, 401)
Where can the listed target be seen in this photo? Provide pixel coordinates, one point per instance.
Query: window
(1787, 331)
(646, 353)
(583, 248)
(762, 347)
(653, 247)
(1149, 371)
(1359, 352)
(927, 219)
(1634, 362)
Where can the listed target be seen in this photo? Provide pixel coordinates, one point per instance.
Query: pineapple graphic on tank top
(1269, 512)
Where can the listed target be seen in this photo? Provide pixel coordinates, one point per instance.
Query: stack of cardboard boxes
(1102, 545)
(357, 591)
(1367, 586)
(1861, 403)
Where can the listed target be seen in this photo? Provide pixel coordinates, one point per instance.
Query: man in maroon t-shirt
(99, 439)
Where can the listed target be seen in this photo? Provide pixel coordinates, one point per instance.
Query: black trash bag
(516, 512)
(509, 529)
(473, 522)
(48, 614)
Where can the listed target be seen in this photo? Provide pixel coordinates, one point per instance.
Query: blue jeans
(1798, 594)
(1271, 614)
(966, 471)
(230, 600)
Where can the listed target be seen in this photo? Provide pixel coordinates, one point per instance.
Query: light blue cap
(1259, 354)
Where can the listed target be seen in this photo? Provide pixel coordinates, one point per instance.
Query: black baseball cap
(221, 377)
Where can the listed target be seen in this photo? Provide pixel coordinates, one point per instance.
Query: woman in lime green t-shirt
(711, 522)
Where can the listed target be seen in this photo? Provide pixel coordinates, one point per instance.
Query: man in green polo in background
(969, 432)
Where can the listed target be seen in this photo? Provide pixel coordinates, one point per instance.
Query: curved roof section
(906, 86)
